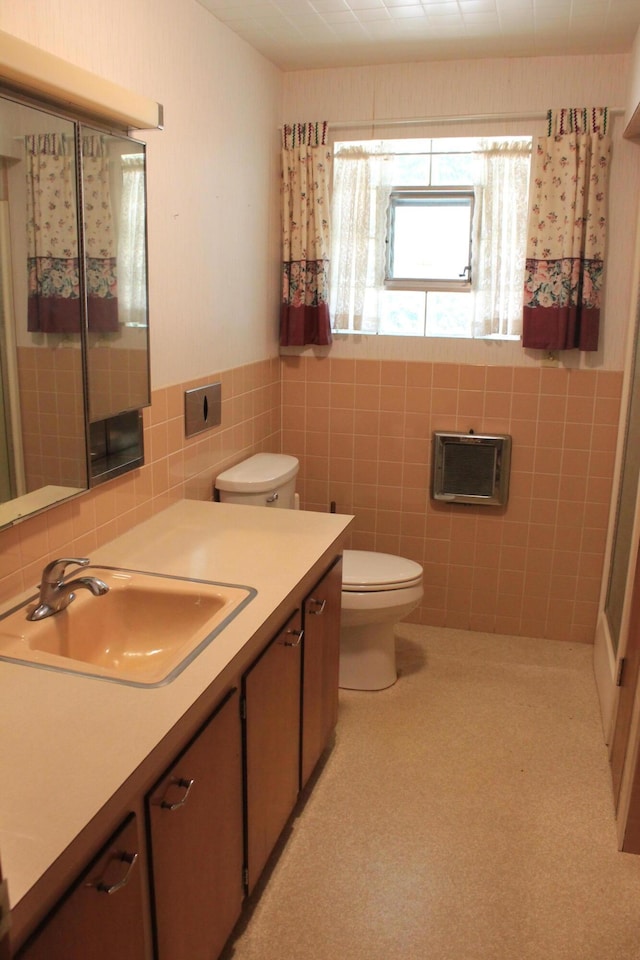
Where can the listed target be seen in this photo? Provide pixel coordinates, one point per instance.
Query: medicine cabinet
(74, 334)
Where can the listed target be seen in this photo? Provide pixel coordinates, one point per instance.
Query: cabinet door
(103, 915)
(321, 662)
(196, 842)
(271, 690)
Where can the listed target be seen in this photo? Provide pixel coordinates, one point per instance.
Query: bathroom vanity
(136, 820)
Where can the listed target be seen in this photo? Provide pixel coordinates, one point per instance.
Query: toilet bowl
(378, 589)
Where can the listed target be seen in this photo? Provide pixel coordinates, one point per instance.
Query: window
(428, 236)
(429, 239)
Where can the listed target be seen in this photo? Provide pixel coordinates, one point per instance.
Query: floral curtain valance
(306, 165)
(567, 232)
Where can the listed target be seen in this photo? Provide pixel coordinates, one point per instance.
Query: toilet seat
(364, 571)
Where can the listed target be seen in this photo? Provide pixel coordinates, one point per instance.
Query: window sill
(491, 338)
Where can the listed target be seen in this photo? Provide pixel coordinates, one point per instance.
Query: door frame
(605, 660)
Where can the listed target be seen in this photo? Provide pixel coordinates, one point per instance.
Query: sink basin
(144, 631)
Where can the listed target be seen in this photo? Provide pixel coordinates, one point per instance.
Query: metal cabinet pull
(320, 604)
(102, 886)
(187, 784)
(298, 634)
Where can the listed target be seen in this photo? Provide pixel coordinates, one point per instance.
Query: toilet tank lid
(262, 471)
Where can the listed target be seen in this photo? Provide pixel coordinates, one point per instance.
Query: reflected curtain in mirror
(306, 165)
(52, 237)
(567, 232)
(100, 240)
(117, 356)
(132, 286)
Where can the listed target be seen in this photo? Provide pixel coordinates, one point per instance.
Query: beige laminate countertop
(68, 742)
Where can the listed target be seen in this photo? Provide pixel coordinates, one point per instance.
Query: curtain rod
(480, 117)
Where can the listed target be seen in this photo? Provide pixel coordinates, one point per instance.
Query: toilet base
(368, 657)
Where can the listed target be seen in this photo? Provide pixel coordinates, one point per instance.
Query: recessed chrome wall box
(202, 408)
(471, 468)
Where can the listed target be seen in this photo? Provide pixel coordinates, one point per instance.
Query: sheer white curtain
(352, 226)
(132, 284)
(361, 187)
(500, 238)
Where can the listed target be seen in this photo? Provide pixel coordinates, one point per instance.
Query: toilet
(378, 589)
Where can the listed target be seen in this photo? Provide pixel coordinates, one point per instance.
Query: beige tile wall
(174, 468)
(119, 380)
(362, 430)
(52, 416)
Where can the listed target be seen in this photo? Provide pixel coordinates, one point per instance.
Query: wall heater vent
(471, 468)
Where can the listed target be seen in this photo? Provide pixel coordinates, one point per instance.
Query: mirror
(113, 183)
(74, 357)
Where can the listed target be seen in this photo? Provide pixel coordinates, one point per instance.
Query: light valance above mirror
(35, 71)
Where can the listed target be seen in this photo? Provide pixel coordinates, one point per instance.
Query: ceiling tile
(297, 34)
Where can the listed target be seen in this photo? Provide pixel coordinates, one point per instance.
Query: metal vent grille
(471, 468)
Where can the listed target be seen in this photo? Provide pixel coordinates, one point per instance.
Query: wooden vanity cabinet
(271, 711)
(320, 668)
(102, 916)
(194, 818)
(214, 816)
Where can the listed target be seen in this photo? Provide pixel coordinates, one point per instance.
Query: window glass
(449, 315)
(429, 237)
(401, 313)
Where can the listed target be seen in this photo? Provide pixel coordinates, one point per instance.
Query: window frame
(397, 197)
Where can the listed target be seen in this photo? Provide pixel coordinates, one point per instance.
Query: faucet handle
(54, 571)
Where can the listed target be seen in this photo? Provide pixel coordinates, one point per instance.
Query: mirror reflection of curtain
(132, 270)
(52, 235)
(100, 240)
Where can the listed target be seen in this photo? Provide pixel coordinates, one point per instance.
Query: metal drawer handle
(298, 634)
(320, 604)
(187, 785)
(103, 887)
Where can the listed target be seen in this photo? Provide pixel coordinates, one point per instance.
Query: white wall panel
(213, 171)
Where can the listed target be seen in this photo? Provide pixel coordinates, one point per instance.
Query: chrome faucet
(56, 594)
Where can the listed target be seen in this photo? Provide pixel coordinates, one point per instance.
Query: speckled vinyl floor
(464, 814)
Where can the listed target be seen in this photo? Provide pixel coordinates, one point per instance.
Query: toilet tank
(264, 480)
